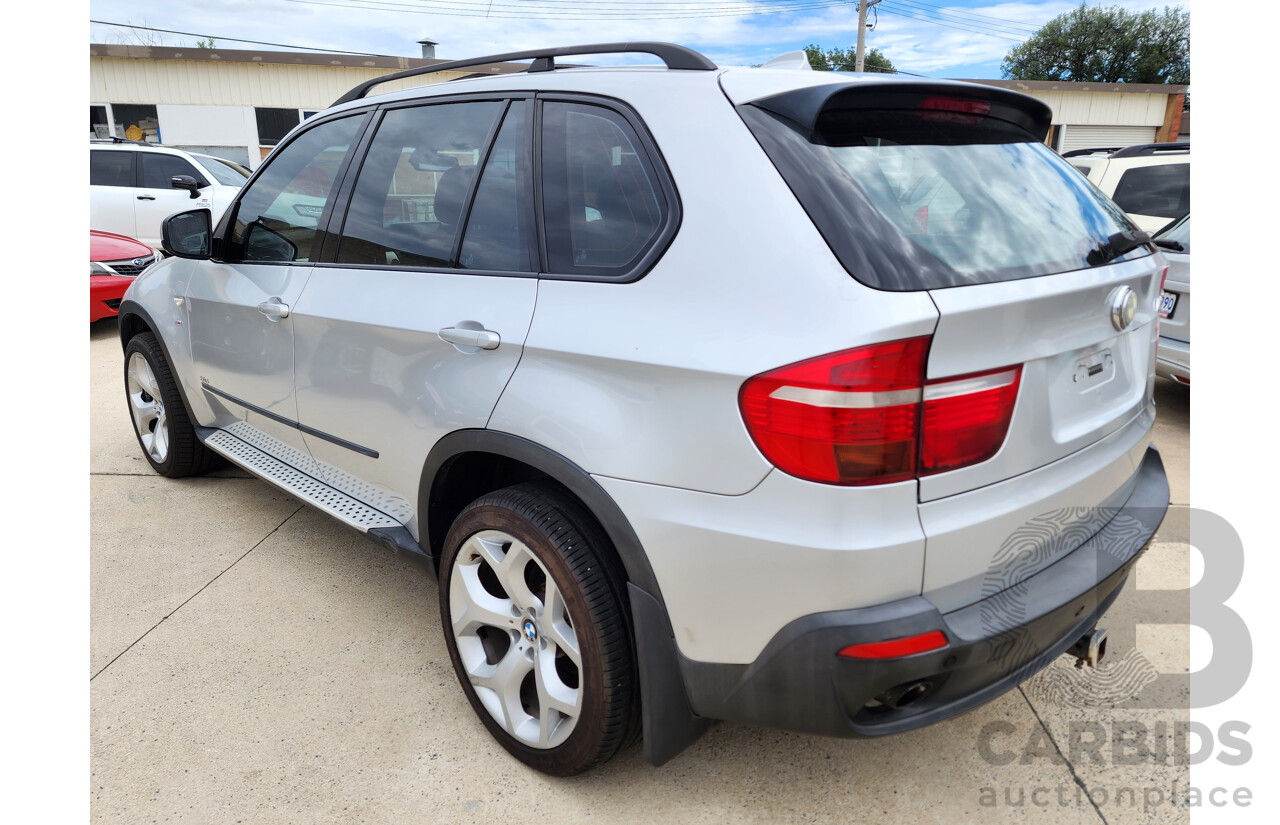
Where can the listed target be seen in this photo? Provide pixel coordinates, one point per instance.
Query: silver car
(1173, 354)
(805, 399)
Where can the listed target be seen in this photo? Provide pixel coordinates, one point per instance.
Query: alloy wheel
(515, 639)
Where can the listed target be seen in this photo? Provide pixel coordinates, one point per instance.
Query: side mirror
(187, 182)
(188, 235)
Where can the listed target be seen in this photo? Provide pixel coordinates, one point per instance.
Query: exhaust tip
(1090, 648)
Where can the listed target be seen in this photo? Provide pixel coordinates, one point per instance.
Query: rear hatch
(1039, 280)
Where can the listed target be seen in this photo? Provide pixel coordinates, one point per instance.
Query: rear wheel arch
(467, 464)
(483, 461)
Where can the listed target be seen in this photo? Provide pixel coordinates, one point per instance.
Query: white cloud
(954, 38)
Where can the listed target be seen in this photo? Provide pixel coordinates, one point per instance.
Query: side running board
(379, 526)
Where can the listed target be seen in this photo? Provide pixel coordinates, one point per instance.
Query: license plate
(1168, 300)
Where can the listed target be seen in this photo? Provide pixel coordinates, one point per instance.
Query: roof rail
(1075, 153)
(676, 57)
(1146, 150)
(114, 139)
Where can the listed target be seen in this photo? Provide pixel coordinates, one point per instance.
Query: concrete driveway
(252, 660)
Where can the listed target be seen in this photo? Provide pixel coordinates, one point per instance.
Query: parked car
(794, 398)
(1173, 354)
(114, 261)
(1151, 182)
(133, 186)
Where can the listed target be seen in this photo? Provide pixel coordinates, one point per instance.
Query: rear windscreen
(939, 195)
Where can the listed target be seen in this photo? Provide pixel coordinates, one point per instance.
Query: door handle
(274, 309)
(146, 197)
(477, 338)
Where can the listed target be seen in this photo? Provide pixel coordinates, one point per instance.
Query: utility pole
(863, 5)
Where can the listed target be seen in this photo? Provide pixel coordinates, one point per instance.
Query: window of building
(99, 125)
(274, 124)
(136, 122)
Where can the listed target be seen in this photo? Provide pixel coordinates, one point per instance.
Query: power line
(238, 39)
(946, 13)
(956, 27)
(574, 11)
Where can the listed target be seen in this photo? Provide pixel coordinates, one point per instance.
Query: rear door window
(499, 234)
(408, 204)
(107, 168)
(1162, 191)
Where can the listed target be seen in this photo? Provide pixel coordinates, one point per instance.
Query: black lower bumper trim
(800, 683)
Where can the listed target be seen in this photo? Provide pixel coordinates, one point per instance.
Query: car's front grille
(131, 266)
(114, 303)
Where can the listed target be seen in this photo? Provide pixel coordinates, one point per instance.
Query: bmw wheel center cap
(530, 630)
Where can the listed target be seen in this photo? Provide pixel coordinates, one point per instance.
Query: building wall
(208, 106)
(212, 83)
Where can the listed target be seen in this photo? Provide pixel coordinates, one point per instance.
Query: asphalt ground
(253, 660)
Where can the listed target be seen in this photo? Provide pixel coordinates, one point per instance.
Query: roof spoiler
(675, 57)
(802, 106)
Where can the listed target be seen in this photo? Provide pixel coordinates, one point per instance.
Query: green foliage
(844, 59)
(208, 43)
(1107, 45)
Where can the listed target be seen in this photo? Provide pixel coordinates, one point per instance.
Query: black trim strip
(333, 439)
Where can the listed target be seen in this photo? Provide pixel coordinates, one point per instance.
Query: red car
(113, 262)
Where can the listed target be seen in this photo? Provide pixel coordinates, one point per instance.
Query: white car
(132, 188)
(1151, 181)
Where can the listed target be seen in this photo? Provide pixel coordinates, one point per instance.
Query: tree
(1107, 45)
(208, 43)
(843, 59)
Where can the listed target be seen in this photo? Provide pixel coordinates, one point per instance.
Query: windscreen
(938, 195)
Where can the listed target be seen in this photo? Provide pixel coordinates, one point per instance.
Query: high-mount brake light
(953, 109)
(868, 416)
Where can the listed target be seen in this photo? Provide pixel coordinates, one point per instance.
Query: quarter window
(601, 200)
(278, 216)
(108, 168)
(1161, 191)
(408, 204)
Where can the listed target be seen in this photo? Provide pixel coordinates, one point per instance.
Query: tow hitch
(1090, 648)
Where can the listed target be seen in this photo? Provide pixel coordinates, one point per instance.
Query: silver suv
(804, 399)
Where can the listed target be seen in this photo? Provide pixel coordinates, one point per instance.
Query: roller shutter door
(1089, 137)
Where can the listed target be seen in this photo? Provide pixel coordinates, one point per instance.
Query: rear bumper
(799, 683)
(1173, 359)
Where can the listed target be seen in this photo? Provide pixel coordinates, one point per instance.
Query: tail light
(868, 416)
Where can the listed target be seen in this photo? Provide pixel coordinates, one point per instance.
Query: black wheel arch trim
(669, 724)
(129, 308)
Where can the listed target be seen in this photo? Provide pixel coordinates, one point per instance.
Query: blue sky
(937, 38)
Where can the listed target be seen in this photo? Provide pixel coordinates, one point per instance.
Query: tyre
(532, 606)
(160, 419)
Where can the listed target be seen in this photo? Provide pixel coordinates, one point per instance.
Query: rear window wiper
(1176, 246)
(1117, 245)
